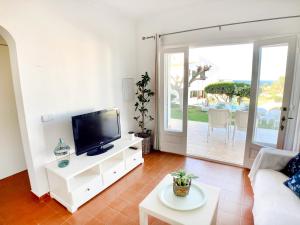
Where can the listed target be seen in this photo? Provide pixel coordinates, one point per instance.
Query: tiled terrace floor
(215, 147)
(118, 205)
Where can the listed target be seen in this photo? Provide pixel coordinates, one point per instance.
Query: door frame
(167, 136)
(252, 149)
(169, 48)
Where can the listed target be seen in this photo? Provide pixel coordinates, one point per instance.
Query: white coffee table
(205, 215)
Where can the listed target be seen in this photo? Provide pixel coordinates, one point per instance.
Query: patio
(216, 148)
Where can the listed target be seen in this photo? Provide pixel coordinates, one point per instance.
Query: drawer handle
(88, 189)
(115, 172)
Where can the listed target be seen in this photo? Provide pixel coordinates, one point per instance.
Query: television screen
(93, 130)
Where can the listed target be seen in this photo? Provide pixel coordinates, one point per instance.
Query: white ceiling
(142, 8)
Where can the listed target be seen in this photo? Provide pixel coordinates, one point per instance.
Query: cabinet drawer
(114, 173)
(133, 160)
(86, 192)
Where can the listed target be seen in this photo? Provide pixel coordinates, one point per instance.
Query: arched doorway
(16, 103)
(12, 158)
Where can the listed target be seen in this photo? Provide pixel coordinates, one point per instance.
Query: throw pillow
(293, 183)
(293, 166)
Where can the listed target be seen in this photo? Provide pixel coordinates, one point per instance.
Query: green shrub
(242, 90)
(227, 90)
(221, 88)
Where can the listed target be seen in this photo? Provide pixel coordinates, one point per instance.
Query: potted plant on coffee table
(144, 95)
(182, 182)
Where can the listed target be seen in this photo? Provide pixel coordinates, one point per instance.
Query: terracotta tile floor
(118, 205)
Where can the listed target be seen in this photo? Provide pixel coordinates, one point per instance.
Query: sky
(234, 62)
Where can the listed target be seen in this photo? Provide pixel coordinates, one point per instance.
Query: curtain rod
(222, 25)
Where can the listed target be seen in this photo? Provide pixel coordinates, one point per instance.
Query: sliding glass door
(218, 101)
(173, 104)
(259, 121)
(272, 78)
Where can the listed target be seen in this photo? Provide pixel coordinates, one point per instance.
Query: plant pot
(181, 191)
(146, 143)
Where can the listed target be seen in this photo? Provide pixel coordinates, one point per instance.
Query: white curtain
(156, 89)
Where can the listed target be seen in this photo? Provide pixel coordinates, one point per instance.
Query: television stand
(100, 150)
(86, 176)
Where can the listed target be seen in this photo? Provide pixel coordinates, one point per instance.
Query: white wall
(2, 41)
(209, 13)
(12, 156)
(71, 58)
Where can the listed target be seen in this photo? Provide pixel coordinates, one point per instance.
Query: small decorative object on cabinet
(131, 135)
(144, 95)
(182, 182)
(62, 152)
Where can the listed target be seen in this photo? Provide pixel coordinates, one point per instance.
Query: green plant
(143, 95)
(225, 91)
(181, 178)
(242, 90)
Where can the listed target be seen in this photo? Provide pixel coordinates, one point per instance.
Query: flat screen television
(94, 131)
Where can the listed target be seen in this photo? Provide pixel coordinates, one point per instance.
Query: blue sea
(262, 82)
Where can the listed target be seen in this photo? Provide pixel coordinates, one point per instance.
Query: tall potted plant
(144, 95)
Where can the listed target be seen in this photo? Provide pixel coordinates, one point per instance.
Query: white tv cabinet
(86, 176)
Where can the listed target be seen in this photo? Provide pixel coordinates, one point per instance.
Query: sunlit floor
(215, 147)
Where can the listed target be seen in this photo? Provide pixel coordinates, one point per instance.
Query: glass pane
(214, 72)
(270, 94)
(174, 76)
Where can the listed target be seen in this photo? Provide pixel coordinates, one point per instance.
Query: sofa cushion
(293, 166)
(293, 183)
(274, 203)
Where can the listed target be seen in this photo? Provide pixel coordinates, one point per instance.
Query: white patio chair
(240, 122)
(218, 118)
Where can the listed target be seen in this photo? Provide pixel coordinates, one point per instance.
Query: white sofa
(274, 203)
